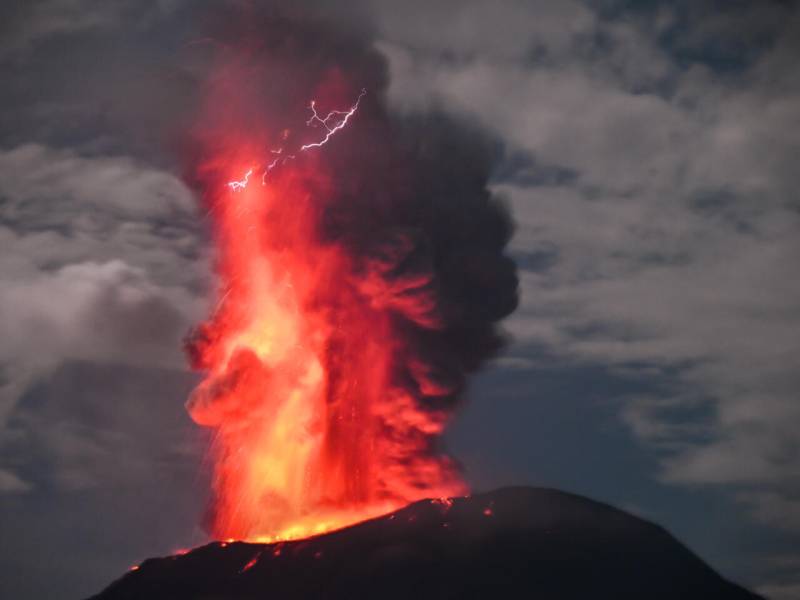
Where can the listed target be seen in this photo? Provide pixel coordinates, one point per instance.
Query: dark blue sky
(649, 156)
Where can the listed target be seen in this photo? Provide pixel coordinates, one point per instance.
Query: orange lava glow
(311, 432)
(251, 563)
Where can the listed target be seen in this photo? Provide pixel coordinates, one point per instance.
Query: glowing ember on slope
(251, 563)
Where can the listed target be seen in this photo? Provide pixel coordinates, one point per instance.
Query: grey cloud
(87, 425)
(728, 40)
(643, 275)
(561, 113)
(11, 483)
(784, 586)
(102, 261)
(86, 242)
(38, 181)
(60, 208)
(101, 311)
(775, 508)
(29, 22)
(113, 468)
(727, 304)
(507, 29)
(779, 591)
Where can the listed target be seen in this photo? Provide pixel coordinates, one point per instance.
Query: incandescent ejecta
(361, 275)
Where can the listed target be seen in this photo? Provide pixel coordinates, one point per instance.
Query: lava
(311, 432)
(358, 284)
(251, 563)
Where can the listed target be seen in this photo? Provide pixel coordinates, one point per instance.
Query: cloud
(663, 198)
(780, 591)
(90, 425)
(26, 23)
(101, 260)
(92, 311)
(111, 462)
(11, 483)
(505, 30)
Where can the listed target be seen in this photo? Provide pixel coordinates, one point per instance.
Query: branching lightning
(334, 121)
(343, 117)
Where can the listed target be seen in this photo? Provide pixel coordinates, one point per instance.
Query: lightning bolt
(342, 115)
(240, 185)
(334, 121)
(279, 160)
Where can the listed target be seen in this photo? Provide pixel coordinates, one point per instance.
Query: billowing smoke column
(360, 281)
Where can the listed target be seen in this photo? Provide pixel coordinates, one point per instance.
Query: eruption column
(357, 288)
(311, 433)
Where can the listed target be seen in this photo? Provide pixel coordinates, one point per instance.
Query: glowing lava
(313, 430)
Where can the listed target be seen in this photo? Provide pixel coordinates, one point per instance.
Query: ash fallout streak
(359, 286)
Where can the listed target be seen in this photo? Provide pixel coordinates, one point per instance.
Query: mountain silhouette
(511, 543)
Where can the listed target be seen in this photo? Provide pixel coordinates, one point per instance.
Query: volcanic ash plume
(361, 275)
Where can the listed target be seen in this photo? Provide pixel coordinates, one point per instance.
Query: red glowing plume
(361, 270)
(311, 433)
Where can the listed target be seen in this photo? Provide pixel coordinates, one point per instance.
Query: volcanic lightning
(240, 185)
(342, 116)
(334, 121)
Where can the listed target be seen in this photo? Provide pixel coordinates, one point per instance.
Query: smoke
(394, 245)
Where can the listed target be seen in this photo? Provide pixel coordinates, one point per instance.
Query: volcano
(514, 542)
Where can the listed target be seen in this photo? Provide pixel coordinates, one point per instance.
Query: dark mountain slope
(511, 543)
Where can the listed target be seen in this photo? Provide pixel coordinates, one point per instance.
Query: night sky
(648, 153)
